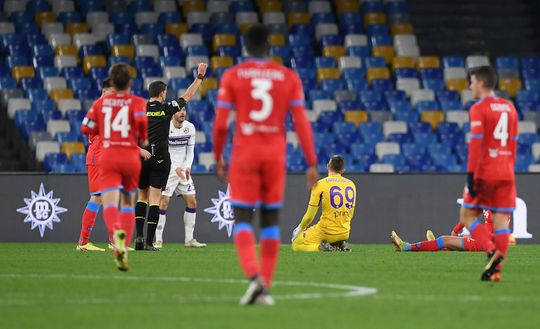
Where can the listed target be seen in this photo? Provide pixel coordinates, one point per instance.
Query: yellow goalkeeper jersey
(337, 197)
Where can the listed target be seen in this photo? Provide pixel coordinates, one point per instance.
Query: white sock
(161, 226)
(189, 223)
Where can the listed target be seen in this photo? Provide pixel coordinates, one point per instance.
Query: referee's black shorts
(154, 173)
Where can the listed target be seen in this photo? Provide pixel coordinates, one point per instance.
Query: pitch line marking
(347, 291)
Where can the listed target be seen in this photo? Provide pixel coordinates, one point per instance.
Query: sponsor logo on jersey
(493, 153)
(155, 114)
(41, 210)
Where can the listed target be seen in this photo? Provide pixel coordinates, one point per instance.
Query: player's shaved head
(256, 40)
(156, 88)
(486, 74)
(337, 164)
(120, 76)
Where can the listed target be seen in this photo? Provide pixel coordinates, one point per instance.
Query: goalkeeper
(337, 196)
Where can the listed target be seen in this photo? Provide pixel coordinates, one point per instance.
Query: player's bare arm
(192, 89)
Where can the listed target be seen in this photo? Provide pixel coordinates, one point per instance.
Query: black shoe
(341, 246)
(325, 246)
(139, 243)
(493, 263)
(149, 247)
(254, 290)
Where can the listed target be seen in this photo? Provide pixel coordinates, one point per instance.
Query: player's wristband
(200, 76)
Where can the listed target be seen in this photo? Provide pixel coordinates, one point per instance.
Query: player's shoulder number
(120, 122)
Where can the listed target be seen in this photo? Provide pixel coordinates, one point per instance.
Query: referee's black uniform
(155, 171)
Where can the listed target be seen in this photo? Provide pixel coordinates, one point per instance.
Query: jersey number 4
(119, 123)
(260, 91)
(501, 130)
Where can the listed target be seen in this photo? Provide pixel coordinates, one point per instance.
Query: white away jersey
(181, 145)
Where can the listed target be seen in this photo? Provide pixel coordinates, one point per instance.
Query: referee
(155, 171)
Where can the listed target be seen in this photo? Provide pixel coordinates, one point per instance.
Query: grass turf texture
(46, 285)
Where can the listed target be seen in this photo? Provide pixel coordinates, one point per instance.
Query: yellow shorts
(313, 236)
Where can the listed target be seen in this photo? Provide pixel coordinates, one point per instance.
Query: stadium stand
(380, 90)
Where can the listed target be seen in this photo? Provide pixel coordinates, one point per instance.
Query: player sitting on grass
(337, 195)
(456, 241)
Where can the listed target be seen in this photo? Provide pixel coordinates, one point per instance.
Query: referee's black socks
(140, 217)
(153, 219)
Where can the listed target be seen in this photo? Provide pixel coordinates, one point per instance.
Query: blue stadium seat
(533, 85)
(366, 160)
(43, 105)
(422, 106)
(527, 95)
(152, 28)
(528, 138)
(333, 85)
(227, 28)
(47, 71)
(117, 39)
(42, 50)
(233, 51)
(69, 17)
(52, 159)
(374, 106)
(331, 40)
(241, 6)
(504, 62)
(448, 128)
(358, 51)
(51, 115)
(382, 85)
(375, 61)
(8, 83)
(316, 94)
(353, 73)
(179, 83)
(322, 61)
(165, 61)
(37, 94)
(523, 161)
(90, 50)
(438, 148)
(28, 127)
(78, 160)
(322, 18)
(172, 17)
(64, 136)
(397, 7)
(30, 83)
(453, 61)
(76, 84)
(410, 149)
(72, 72)
(358, 149)
(408, 117)
(434, 84)
(431, 73)
(530, 62)
(380, 40)
(139, 5)
(394, 159)
(118, 59)
(372, 7)
(349, 105)
(407, 72)
(400, 106)
(63, 168)
(418, 160)
(370, 96)
(378, 29)
(22, 116)
(451, 105)
(425, 138)
(39, 5)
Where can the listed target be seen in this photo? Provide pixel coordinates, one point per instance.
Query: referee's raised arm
(192, 89)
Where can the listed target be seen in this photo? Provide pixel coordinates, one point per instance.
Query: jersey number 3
(260, 91)
(501, 130)
(119, 123)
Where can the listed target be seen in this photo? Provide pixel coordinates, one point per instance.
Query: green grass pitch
(52, 286)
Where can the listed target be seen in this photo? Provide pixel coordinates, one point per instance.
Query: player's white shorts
(177, 186)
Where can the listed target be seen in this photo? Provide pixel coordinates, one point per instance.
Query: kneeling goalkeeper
(337, 195)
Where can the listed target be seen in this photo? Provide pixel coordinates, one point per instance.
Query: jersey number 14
(120, 123)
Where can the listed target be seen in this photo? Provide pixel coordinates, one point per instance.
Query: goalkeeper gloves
(295, 232)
